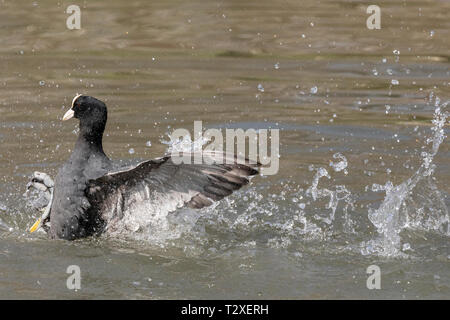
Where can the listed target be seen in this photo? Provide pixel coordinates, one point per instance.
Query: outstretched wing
(163, 183)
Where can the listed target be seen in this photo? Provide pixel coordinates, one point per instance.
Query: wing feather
(161, 182)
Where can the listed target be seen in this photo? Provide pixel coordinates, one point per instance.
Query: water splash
(341, 165)
(3, 225)
(415, 204)
(338, 194)
(185, 144)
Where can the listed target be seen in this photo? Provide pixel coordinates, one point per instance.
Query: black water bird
(90, 195)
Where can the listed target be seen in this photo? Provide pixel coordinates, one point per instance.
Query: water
(404, 207)
(364, 158)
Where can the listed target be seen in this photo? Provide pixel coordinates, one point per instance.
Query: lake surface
(364, 170)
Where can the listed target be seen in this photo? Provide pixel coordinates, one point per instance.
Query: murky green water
(311, 69)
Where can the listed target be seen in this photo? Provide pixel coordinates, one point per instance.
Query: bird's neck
(91, 136)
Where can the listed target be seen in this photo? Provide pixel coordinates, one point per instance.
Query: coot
(90, 195)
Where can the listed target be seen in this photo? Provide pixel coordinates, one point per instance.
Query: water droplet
(341, 165)
(131, 151)
(260, 88)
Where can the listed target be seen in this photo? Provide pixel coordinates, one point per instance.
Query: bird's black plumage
(71, 215)
(91, 196)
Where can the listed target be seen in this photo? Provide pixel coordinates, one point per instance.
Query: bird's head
(86, 108)
(92, 114)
